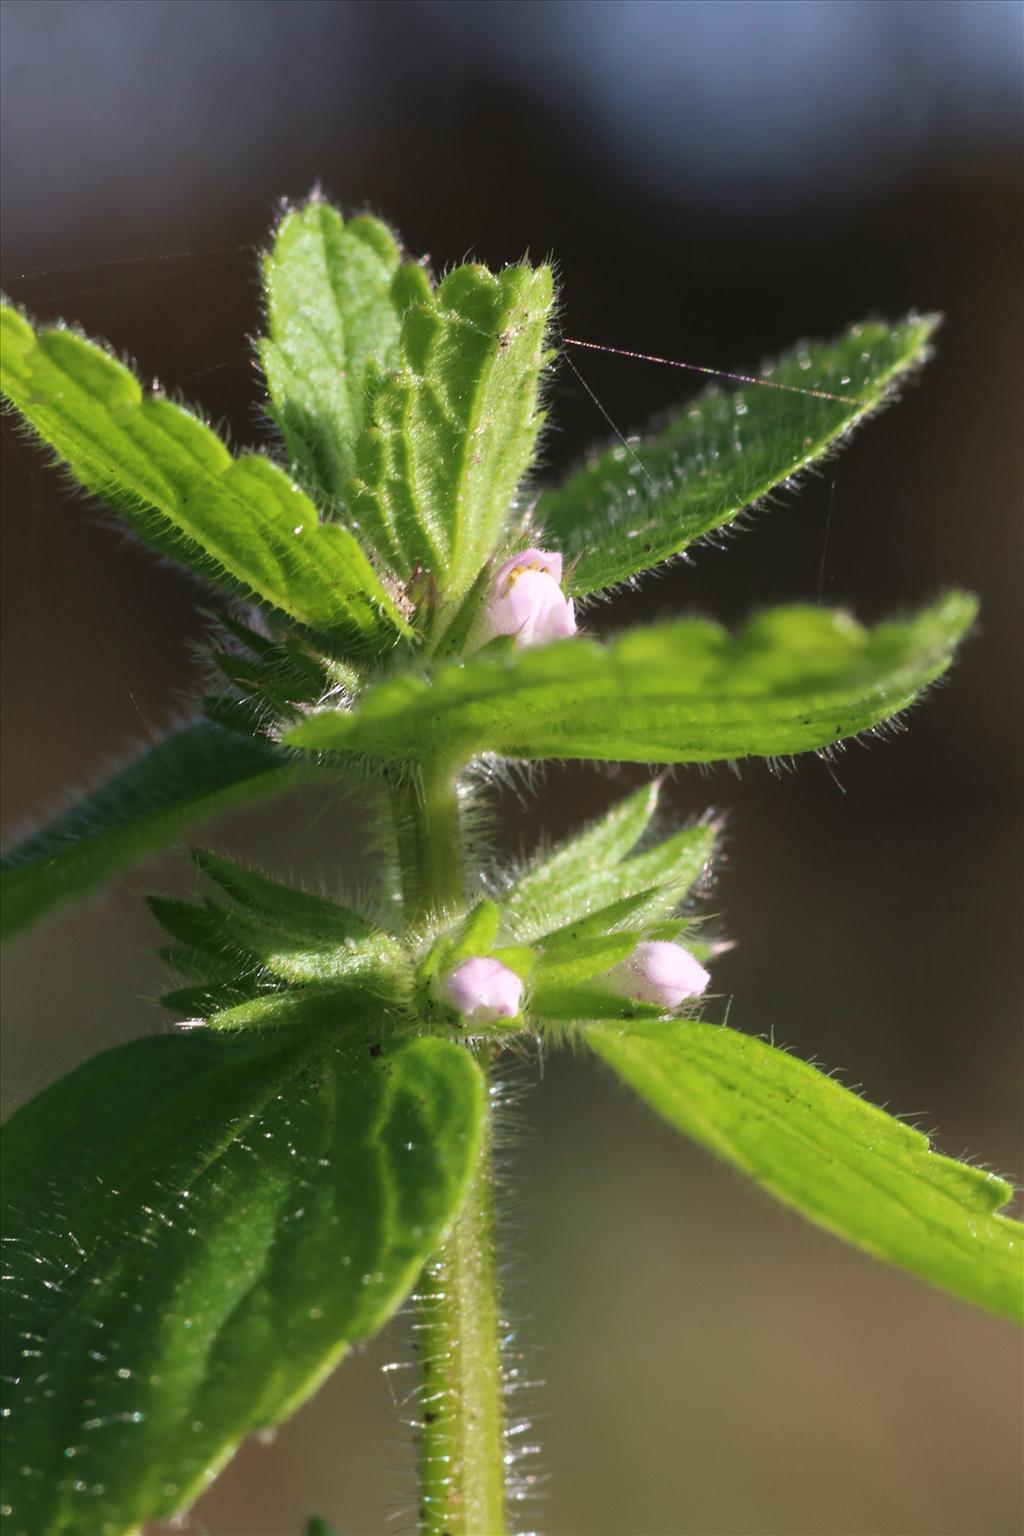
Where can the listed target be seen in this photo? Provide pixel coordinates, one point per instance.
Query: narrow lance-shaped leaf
(851, 1168)
(197, 1228)
(591, 871)
(335, 295)
(793, 680)
(192, 774)
(240, 523)
(452, 432)
(632, 507)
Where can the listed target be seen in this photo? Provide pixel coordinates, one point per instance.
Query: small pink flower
(483, 989)
(659, 973)
(527, 601)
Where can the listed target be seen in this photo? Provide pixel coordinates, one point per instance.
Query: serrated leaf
(632, 507)
(793, 680)
(849, 1167)
(198, 1229)
(241, 523)
(192, 774)
(452, 432)
(332, 304)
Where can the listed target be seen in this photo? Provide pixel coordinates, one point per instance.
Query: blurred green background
(713, 181)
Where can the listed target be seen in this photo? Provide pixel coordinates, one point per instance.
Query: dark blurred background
(713, 181)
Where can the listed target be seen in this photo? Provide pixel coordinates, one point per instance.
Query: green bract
(199, 1224)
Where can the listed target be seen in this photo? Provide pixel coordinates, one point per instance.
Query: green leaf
(584, 876)
(277, 934)
(453, 431)
(555, 886)
(632, 507)
(849, 1167)
(793, 680)
(198, 1228)
(335, 294)
(240, 523)
(190, 775)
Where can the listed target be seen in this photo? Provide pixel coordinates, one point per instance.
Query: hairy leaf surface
(632, 507)
(198, 1227)
(335, 295)
(188, 776)
(240, 523)
(590, 872)
(851, 1168)
(452, 432)
(794, 679)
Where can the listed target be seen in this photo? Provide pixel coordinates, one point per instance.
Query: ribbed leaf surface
(452, 432)
(335, 296)
(849, 1167)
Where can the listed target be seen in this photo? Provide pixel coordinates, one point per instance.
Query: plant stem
(462, 1447)
(458, 1325)
(425, 806)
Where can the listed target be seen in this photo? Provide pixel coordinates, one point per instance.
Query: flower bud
(483, 989)
(660, 973)
(527, 601)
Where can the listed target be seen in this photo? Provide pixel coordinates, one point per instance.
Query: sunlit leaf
(197, 1229)
(452, 432)
(869, 1178)
(335, 296)
(188, 776)
(794, 679)
(633, 506)
(240, 523)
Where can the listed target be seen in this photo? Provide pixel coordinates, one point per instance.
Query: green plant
(200, 1223)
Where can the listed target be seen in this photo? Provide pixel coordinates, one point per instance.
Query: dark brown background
(713, 181)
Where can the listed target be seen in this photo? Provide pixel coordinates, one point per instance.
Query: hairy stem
(462, 1469)
(462, 1442)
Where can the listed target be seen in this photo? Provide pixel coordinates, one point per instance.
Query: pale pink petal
(527, 601)
(659, 973)
(483, 989)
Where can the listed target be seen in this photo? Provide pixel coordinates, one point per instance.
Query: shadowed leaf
(197, 1229)
(188, 776)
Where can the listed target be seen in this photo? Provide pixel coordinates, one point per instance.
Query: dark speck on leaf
(376, 1049)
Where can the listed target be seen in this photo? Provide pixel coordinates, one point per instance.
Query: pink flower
(483, 989)
(659, 973)
(527, 601)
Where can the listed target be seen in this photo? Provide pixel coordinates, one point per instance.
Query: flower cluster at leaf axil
(542, 956)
